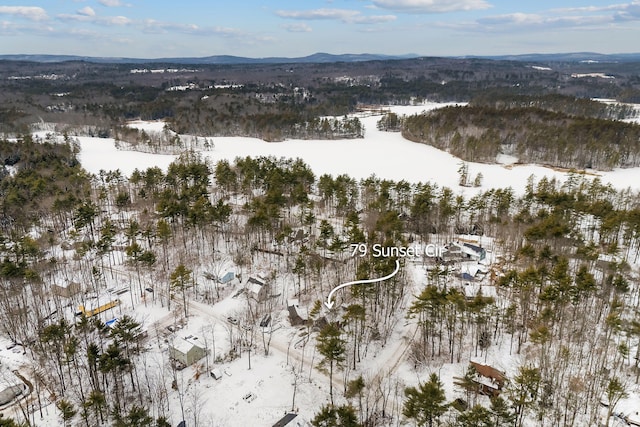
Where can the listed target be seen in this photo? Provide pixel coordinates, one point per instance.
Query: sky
(292, 28)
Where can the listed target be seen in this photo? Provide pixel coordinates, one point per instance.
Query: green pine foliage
(426, 403)
(47, 177)
(336, 416)
(478, 133)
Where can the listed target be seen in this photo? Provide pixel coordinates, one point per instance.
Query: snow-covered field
(384, 154)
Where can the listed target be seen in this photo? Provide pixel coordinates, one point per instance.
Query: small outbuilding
(216, 374)
(298, 236)
(227, 277)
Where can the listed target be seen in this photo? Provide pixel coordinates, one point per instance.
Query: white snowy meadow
(384, 154)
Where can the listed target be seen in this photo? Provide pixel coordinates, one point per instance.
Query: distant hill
(216, 59)
(566, 57)
(324, 58)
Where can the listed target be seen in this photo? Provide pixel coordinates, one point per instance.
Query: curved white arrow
(330, 303)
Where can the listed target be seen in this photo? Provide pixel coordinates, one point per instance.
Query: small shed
(451, 252)
(216, 374)
(187, 351)
(298, 236)
(227, 277)
(467, 276)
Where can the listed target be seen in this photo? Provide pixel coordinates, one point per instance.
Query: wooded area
(533, 135)
(571, 315)
(559, 295)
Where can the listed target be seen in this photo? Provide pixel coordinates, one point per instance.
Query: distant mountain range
(567, 57)
(322, 58)
(216, 59)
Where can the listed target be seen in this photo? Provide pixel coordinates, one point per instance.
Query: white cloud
(111, 3)
(431, 6)
(33, 13)
(583, 9)
(562, 18)
(8, 28)
(33, 29)
(337, 14)
(569, 18)
(297, 28)
(87, 11)
(116, 20)
(344, 15)
(631, 12)
(84, 16)
(157, 27)
(513, 19)
(375, 19)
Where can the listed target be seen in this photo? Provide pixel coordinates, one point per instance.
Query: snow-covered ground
(384, 154)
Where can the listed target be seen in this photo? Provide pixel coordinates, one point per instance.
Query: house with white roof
(257, 288)
(187, 350)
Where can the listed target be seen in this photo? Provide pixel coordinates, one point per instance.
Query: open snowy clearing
(384, 154)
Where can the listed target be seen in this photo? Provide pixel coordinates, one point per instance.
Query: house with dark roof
(291, 419)
(460, 251)
(490, 380)
(297, 315)
(257, 288)
(473, 252)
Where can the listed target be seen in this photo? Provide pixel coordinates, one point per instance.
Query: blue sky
(259, 28)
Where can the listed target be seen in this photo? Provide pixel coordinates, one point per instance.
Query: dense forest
(569, 105)
(565, 295)
(280, 101)
(532, 134)
(39, 177)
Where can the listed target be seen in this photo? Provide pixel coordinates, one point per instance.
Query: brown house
(496, 378)
(490, 372)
